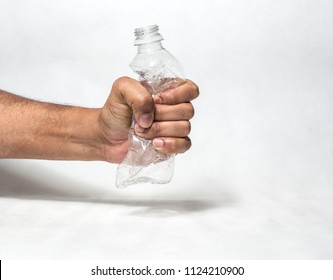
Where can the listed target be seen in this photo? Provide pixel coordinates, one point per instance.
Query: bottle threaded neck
(147, 34)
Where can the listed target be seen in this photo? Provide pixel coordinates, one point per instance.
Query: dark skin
(39, 130)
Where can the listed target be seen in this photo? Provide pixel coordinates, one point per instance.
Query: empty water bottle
(158, 70)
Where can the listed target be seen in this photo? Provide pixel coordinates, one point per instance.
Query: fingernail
(146, 120)
(158, 143)
(158, 100)
(138, 129)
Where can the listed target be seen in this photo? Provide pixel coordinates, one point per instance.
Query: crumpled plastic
(144, 164)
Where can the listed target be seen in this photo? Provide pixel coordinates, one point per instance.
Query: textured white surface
(258, 182)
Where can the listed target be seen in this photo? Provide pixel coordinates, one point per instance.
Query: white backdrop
(257, 182)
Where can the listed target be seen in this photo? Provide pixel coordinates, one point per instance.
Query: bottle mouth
(147, 34)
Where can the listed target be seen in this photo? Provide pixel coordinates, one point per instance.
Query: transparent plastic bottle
(158, 70)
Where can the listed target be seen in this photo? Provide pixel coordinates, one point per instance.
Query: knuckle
(195, 89)
(183, 114)
(157, 113)
(132, 92)
(180, 145)
(189, 113)
(169, 96)
(188, 144)
(186, 127)
(192, 112)
(121, 82)
(173, 146)
(143, 98)
(156, 128)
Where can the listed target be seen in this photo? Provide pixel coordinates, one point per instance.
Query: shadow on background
(27, 185)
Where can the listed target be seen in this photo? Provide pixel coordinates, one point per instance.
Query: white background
(257, 183)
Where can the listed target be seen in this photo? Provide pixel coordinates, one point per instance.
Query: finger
(183, 111)
(181, 94)
(165, 129)
(130, 92)
(170, 145)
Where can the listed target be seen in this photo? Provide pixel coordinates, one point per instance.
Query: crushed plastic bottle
(158, 71)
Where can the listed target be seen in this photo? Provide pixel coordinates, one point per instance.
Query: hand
(165, 119)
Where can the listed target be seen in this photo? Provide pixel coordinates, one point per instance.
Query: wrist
(83, 135)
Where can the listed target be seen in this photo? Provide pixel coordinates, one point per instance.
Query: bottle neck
(150, 47)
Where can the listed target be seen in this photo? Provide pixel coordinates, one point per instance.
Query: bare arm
(32, 129)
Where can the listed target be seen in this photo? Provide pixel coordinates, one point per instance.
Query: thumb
(129, 92)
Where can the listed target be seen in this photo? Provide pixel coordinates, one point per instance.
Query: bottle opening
(147, 34)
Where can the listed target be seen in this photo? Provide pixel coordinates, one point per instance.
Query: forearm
(32, 129)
